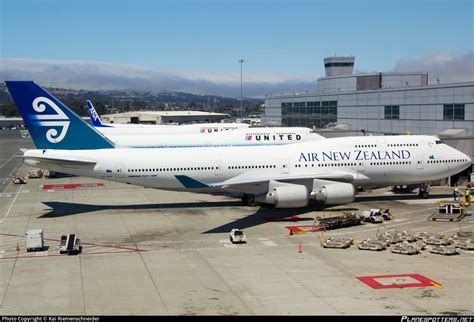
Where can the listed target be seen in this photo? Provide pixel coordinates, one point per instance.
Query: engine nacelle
(333, 193)
(285, 195)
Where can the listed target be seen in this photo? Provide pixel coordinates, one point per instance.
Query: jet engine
(332, 193)
(285, 195)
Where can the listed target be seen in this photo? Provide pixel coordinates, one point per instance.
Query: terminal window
(309, 114)
(392, 112)
(453, 112)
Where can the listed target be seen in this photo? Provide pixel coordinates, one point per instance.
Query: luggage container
(406, 248)
(35, 173)
(444, 250)
(34, 240)
(333, 242)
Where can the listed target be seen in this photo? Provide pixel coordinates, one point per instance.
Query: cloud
(447, 67)
(90, 75)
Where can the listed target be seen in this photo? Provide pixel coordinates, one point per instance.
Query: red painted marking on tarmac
(375, 281)
(55, 255)
(292, 218)
(295, 217)
(121, 249)
(304, 228)
(72, 186)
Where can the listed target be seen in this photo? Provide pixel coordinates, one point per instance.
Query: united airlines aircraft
(149, 129)
(285, 176)
(152, 135)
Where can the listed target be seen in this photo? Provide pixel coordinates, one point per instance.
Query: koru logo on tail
(50, 120)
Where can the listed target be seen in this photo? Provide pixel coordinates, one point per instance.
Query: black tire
(249, 200)
(424, 195)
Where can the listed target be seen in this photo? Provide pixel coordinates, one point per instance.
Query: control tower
(339, 66)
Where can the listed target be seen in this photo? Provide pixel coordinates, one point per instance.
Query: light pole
(241, 61)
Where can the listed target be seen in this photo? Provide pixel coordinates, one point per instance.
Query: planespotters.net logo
(437, 319)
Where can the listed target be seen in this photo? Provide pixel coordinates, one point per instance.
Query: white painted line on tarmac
(375, 229)
(422, 227)
(7, 161)
(269, 243)
(11, 206)
(227, 243)
(447, 231)
(398, 220)
(413, 211)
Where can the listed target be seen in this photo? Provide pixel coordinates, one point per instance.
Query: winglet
(94, 116)
(52, 124)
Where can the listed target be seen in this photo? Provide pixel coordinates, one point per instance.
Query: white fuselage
(238, 137)
(150, 129)
(362, 161)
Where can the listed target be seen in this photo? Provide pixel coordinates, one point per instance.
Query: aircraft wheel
(424, 194)
(251, 201)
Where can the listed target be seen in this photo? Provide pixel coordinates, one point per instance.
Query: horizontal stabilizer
(61, 160)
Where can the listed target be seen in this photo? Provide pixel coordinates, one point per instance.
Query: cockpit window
(439, 142)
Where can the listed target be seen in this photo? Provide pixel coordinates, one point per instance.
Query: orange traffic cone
(300, 249)
(17, 247)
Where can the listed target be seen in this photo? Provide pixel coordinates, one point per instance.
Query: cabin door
(119, 170)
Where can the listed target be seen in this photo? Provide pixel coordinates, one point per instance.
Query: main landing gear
(424, 191)
(249, 200)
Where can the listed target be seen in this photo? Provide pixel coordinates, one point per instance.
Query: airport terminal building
(386, 103)
(165, 117)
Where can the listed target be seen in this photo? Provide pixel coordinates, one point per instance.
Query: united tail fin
(94, 116)
(52, 125)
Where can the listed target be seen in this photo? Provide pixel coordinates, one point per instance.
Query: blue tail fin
(95, 118)
(52, 124)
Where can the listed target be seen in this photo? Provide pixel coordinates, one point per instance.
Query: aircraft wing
(255, 179)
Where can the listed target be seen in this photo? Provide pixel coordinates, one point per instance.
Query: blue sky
(278, 36)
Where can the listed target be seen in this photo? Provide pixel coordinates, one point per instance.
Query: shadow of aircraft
(262, 214)
(268, 214)
(61, 209)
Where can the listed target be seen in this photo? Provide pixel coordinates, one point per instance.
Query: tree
(10, 110)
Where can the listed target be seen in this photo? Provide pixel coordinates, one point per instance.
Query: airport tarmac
(158, 252)
(10, 142)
